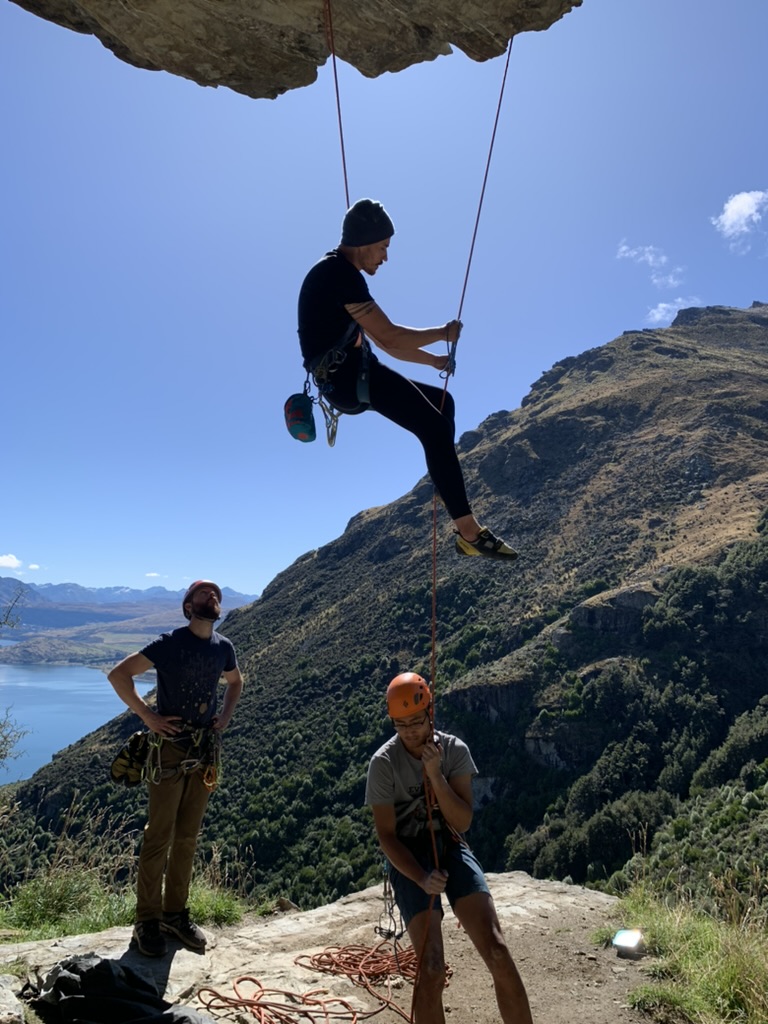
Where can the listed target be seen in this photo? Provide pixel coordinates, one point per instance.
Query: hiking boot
(147, 937)
(186, 931)
(487, 545)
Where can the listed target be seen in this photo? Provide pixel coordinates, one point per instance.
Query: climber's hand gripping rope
(452, 328)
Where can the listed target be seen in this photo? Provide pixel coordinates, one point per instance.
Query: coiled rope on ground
(364, 966)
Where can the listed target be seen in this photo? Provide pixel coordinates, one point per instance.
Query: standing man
(183, 758)
(335, 308)
(411, 830)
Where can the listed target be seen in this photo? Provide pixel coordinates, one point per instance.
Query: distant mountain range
(72, 593)
(65, 622)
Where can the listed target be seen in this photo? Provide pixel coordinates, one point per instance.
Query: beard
(207, 610)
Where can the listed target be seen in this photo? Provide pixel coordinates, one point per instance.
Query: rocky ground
(550, 928)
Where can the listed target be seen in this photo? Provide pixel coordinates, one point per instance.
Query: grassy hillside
(605, 682)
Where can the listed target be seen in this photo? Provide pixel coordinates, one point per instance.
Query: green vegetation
(611, 686)
(703, 970)
(677, 716)
(661, 741)
(88, 885)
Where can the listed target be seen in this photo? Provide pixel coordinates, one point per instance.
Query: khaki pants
(176, 808)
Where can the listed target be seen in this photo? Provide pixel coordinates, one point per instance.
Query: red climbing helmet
(407, 694)
(191, 590)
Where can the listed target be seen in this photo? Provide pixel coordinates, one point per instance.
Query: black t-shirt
(324, 323)
(188, 673)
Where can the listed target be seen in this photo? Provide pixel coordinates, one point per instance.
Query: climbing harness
(203, 753)
(299, 417)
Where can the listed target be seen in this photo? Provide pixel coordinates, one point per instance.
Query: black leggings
(416, 407)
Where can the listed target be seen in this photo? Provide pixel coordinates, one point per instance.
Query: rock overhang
(263, 48)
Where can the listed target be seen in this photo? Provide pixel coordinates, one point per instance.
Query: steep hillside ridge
(623, 465)
(640, 455)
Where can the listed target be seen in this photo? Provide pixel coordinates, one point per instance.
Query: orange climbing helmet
(407, 694)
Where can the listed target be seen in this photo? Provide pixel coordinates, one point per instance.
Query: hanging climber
(337, 316)
(420, 791)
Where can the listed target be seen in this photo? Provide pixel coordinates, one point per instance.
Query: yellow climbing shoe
(487, 545)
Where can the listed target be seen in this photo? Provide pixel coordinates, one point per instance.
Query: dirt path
(549, 927)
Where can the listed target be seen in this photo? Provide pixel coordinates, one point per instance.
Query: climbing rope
(485, 178)
(279, 1006)
(364, 966)
(332, 48)
(448, 372)
(389, 928)
(451, 367)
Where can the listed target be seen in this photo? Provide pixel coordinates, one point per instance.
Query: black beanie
(365, 223)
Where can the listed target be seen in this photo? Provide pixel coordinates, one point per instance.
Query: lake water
(58, 704)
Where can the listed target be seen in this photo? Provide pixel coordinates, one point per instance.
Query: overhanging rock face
(262, 48)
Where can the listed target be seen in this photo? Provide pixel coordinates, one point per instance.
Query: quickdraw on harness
(390, 926)
(203, 753)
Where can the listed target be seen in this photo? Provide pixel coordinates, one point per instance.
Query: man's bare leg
(479, 920)
(428, 993)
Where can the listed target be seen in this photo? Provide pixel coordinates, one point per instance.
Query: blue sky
(155, 235)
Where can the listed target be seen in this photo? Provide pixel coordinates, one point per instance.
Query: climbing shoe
(184, 930)
(487, 545)
(147, 937)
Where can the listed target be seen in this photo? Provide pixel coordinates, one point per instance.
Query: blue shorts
(465, 876)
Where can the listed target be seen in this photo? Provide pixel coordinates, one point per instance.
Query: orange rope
(366, 968)
(288, 1008)
(363, 966)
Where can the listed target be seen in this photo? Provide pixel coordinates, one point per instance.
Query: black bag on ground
(90, 990)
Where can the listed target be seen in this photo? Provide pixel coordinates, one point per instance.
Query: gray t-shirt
(396, 778)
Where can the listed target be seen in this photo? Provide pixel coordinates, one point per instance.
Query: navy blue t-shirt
(324, 323)
(188, 673)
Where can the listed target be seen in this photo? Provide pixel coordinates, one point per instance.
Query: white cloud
(33, 565)
(662, 275)
(9, 562)
(741, 217)
(665, 312)
(152, 574)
